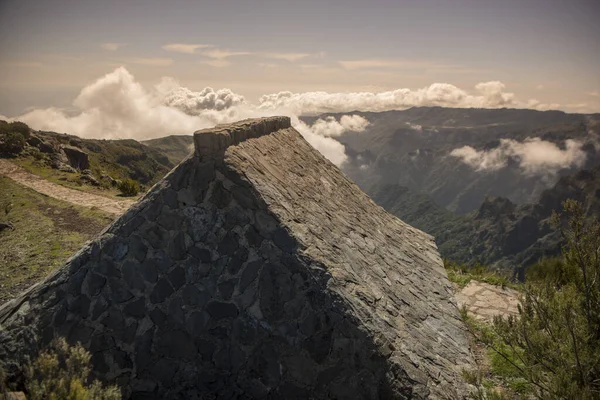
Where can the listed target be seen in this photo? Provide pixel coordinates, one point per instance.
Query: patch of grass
(500, 378)
(462, 274)
(46, 232)
(70, 180)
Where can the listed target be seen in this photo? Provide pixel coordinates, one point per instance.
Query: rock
(46, 147)
(78, 158)
(109, 179)
(89, 179)
(6, 225)
(240, 276)
(66, 168)
(34, 141)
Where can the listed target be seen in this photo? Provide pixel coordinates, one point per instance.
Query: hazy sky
(545, 52)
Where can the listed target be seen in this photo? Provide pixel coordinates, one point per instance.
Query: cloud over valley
(118, 106)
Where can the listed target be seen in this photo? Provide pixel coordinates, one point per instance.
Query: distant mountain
(411, 148)
(175, 147)
(499, 233)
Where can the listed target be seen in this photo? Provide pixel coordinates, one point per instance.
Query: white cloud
(537, 105)
(415, 127)
(217, 63)
(594, 93)
(151, 62)
(533, 155)
(194, 103)
(223, 54)
(267, 65)
(540, 87)
(112, 46)
(116, 106)
(330, 148)
(330, 127)
(491, 95)
(291, 57)
(185, 48)
(378, 63)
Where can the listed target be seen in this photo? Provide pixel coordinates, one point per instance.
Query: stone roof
(255, 269)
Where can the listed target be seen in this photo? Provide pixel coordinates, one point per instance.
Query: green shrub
(20, 127)
(554, 342)
(128, 187)
(12, 143)
(61, 372)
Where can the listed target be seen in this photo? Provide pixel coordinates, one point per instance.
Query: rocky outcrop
(78, 158)
(255, 269)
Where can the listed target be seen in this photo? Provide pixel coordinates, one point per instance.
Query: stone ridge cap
(213, 142)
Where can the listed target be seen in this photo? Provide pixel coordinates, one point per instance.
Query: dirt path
(20, 175)
(484, 301)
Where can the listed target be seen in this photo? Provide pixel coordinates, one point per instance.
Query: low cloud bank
(490, 95)
(533, 155)
(117, 106)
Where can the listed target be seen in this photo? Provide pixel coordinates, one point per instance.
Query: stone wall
(255, 269)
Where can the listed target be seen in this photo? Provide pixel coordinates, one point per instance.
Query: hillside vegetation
(86, 164)
(42, 234)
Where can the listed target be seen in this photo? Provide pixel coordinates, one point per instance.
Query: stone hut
(254, 270)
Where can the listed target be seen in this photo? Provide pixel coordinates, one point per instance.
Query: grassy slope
(119, 159)
(67, 179)
(47, 232)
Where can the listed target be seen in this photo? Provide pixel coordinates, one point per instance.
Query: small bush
(61, 372)
(128, 187)
(12, 143)
(20, 127)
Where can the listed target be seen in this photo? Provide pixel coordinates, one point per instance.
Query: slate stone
(196, 322)
(76, 280)
(143, 350)
(229, 244)
(253, 237)
(136, 308)
(119, 251)
(194, 297)
(149, 271)
(177, 277)
(176, 344)
(177, 247)
(170, 198)
(162, 261)
(176, 311)
(250, 273)
(164, 369)
(243, 196)
(284, 241)
(226, 288)
(137, 248)
(158, 317)
(220, 197)
(203, 255)
(113, 320)
(131, 275)
(235, 262)
(156, 236)
(219, 310)
(119, 292)
(161, 291)
(93, 284)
